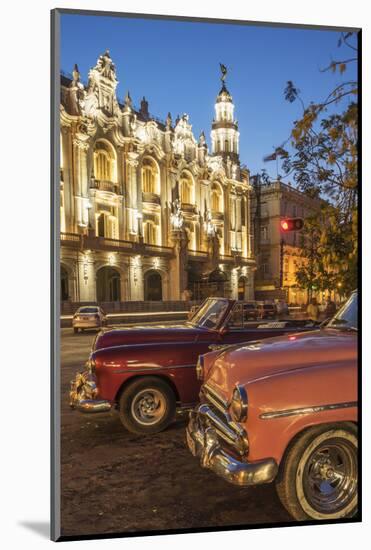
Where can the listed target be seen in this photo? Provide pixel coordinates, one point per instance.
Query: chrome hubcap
(330, 476)
(148, 406)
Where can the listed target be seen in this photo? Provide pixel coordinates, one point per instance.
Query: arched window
(216, 199)
(104, 162)
(150, 232)
(150, 177)
(226, 146)
(186, 189)
(108, 285)
(106, 224)
(64, 284)
(152, 286)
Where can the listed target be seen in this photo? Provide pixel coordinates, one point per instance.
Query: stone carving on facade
(102, 85)
(176, 216)
(105, 66)
(133, 124)
(76, 94)
(184, 141)
(216, 165)
(169, 122)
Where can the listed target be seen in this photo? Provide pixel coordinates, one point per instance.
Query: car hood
(146, 335)
(246, 363)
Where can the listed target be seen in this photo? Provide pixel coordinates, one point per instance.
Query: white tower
(224, 133)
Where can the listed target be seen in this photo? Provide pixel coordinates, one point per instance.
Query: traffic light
(292, 224)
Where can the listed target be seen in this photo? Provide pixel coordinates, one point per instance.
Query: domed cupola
(224, 133)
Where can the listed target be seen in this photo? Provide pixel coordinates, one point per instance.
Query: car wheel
(75, 330)
(319, 476)
(147, 406)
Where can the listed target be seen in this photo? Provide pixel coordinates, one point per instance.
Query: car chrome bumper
(83, 394)
(204, 443)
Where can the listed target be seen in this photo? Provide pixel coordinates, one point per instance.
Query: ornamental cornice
(66, 119)
(152, 148)
(106, 122)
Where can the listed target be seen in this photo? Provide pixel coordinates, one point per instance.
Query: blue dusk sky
(175, 64)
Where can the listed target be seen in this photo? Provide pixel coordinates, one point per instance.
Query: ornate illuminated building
(146, 211)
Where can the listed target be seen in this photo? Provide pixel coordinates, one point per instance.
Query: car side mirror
(224, 330)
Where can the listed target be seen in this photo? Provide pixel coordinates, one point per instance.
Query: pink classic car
(284, 410)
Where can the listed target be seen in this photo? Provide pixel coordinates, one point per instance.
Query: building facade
(147, 212)
(278, 254)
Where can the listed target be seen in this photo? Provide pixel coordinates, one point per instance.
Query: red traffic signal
(292, 224)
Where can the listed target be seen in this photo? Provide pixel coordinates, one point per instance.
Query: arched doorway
(241, 288)
(64, 284)
(108, 285)
(153, 286)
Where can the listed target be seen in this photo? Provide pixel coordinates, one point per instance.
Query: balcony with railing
(217, 216)
(152, 198)
(105, 185)
(189, 208)
(92, 242)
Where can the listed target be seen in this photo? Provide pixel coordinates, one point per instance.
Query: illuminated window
(186, 189)
(150, 180)
(104, 162)
(150, 232)
(216, 199)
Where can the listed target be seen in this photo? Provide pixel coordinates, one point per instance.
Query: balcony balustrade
(189, 208)
(151, 197)
(92, 242)
(105, 185)
(217, 215)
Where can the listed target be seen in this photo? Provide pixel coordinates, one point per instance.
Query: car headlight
(239, 404)
(200, 367)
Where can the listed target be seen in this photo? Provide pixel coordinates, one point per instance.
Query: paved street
(114, 481)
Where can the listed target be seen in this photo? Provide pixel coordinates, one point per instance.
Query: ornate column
(80, 148)
(132, 194)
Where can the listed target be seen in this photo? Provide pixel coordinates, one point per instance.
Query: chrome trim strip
(308, 410)
(216, 399)
(142, 369)
(224, 431)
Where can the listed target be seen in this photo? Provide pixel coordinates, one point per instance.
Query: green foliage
(329, 252)
(324, 163)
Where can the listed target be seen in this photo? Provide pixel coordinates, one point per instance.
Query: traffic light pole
(282, 244)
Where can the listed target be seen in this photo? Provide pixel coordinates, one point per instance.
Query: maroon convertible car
(147, 372)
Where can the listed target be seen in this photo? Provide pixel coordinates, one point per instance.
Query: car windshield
(88, 310)
(210, 313)
(347, 316)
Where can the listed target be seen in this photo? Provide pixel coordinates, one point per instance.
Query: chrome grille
(216, 414)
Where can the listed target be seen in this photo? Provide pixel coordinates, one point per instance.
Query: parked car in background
(267, 310)
(148, 372)
(251, 310)
(89, 317)
(285, 410)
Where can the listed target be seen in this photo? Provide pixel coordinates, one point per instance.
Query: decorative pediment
(184, 140)
(102, 86)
